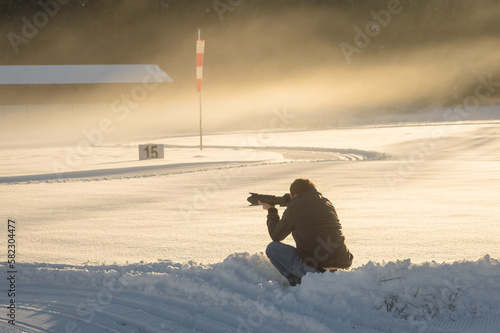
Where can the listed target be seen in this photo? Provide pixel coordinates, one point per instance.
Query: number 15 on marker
(151, 151)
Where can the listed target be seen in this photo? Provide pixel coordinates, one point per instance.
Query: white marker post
(151, 151)
(200, 50)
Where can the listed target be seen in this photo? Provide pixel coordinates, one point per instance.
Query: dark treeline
(121, 31)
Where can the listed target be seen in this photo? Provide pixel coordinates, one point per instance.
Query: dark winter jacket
(314, 225)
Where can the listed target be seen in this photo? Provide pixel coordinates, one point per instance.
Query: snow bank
(455, 114)
(244, 293)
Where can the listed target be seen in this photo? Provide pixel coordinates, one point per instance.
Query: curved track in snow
(242, 157)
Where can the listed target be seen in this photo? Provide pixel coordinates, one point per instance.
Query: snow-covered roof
(82, 74)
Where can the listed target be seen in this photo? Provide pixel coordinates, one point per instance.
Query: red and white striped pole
(200, 50)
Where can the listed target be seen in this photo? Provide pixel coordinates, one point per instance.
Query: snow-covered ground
(111, 243)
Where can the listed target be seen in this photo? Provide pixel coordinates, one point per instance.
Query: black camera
(254, 199)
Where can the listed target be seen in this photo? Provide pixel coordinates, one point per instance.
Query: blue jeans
(287, 261)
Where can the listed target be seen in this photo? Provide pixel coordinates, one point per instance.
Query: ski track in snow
(244, 294)
(308, 154)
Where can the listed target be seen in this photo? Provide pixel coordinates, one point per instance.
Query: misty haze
(328, 63)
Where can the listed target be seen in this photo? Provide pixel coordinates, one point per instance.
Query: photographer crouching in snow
(315, 227)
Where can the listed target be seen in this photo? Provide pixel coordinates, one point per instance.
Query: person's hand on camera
(265, 205)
